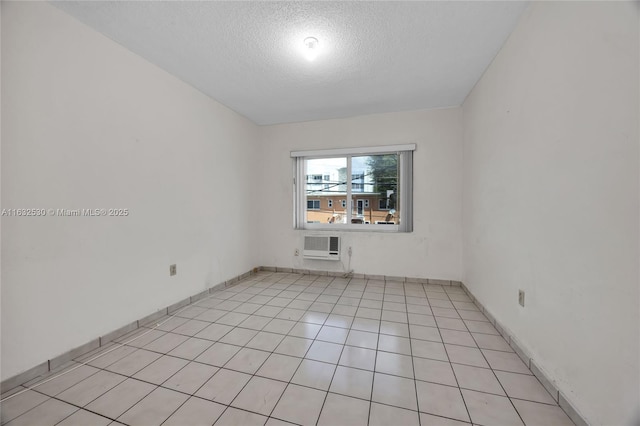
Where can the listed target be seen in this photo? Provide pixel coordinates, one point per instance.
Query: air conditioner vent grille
(334, 244)
(316, 243)
(321, 247)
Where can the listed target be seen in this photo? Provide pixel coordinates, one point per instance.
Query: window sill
(353, 228)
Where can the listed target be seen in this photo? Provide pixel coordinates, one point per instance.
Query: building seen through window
(371, 196)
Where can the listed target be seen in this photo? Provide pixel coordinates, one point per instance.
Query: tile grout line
(298, 321)
(227, 406)
(324, 362)
(413, 366)
(449, 359)
(491, 368)
(375, 358)
(452, 369)
(116, 345)
(190, 299)
(149, 343)
(261, 271)
(303, 358)
(271, 353)
(113, 372)
(32, 387)
(80, 408)
(193, 394)
(315, 339)
(482, 311)
(253, 375)
(342, 351)
(357, 367)
(402, 376)
(338, 360)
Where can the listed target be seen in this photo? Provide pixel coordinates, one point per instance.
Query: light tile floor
(280, 349)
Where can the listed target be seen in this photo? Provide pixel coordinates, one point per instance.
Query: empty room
(320, 213)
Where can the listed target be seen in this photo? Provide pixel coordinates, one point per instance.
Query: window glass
(372, 191)
(313, 204)
(373, 176)
(329, 179)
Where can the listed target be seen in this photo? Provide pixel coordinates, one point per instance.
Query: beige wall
(551, 198)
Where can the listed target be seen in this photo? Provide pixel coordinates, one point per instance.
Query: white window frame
(405, 187)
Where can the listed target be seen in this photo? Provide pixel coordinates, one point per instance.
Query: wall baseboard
(361, 276)
(58, 361)
(540, 374)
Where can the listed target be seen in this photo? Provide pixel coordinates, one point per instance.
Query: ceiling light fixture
(311, 48)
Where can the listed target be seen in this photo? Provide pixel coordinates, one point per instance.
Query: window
(383, 174)
(357, 182)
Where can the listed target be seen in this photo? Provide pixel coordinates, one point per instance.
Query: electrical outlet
(297, 252)
(521, 297)
(173, 269)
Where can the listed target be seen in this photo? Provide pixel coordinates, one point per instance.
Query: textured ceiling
(374, 56)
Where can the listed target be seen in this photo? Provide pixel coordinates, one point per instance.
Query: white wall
(88, 124)
(433, 250)
(551, 198)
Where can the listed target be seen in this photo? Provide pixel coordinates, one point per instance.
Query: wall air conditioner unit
(321, 247)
